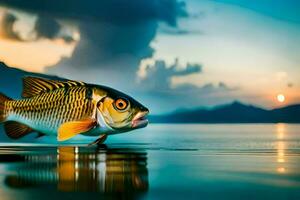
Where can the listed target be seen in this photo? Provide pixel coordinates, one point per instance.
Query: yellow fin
(34, 85)
(70, 129)
(16, 130)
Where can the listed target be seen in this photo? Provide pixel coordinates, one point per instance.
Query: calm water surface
(159, 162)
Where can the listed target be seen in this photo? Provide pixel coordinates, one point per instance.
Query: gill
(98, 112)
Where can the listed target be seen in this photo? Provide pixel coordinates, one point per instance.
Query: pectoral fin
(70, 129)
(99, 141)
(16, 130)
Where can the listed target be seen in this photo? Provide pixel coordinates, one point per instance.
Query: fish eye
(121, 104)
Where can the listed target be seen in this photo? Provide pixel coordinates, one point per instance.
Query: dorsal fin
(16, 130)
(35, 85)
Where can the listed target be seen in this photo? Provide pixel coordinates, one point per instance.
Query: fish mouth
(140, 120)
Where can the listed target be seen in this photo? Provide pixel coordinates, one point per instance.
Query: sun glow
(280, 98)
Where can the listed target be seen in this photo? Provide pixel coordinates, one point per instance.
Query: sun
(280, 98)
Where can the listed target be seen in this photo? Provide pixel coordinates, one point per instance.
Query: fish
(66, 108)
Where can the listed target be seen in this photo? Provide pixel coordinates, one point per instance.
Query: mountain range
(236, 112)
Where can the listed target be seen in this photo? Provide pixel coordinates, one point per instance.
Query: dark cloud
(47, 27)
(7, 27)
(68, 38)
(119, 37)
(112, 11)
(189, 69)
(114, 34)
(157, 87)
(109, 29)
(106, 44)
(160, 74)
(177, 31)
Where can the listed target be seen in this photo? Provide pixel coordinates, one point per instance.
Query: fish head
(121, 112)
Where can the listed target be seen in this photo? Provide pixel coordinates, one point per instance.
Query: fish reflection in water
(76, 169)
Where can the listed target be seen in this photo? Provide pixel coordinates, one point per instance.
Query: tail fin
(3, 99)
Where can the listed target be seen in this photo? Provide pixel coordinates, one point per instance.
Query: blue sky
(168, 54)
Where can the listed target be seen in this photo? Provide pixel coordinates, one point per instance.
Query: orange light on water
(281, 169)
(280, 160)
(281, 146)
(280, 130)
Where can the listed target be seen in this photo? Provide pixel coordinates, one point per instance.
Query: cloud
(159, 75)
(114, 34)
(189, 69)
(180, 30)
(114, 37)
(106, 44)
(159, 78)
(44, 27)
(7, 27)
(157, 86)
(47, 27)
(112, 11)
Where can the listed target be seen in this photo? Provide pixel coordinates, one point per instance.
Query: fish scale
(50, 110)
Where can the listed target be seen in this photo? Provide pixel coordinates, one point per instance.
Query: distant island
(235, 112)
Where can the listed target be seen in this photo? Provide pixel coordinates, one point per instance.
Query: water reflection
(281, 132)
(76, 169)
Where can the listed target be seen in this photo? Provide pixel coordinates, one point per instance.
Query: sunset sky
(169, 54)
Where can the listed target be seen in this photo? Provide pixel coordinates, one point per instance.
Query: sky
(168, 54)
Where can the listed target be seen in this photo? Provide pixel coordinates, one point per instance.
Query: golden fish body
(48, 111)
(68, 108)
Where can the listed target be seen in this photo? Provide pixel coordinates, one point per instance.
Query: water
(160, 162)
